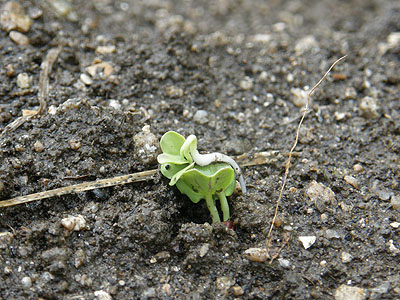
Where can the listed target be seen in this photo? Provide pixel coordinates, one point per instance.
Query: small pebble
(246, 84)
(321, 195)
(324, 217)
(392, 247)
(332, 234)
(395, 225)
(35, 12)
(323, 263)
(13, 17)
(7, 270)
(395, 202)
(284, 263)
(38, 146)
(257, 254)
(340, 116)
(106, 49)
(346, 292)
(306, 43)
(19, 38)
(106, 68)
(278, 222)
(79, 258)
(358, 168)
(115, 104)
(201, 117)
(102, 295)
(223, 283)
(5, 239)
(383, 195)
(237, 290)
(74, 144)
(174, 92)
(63, 8)
(121, 282)
(288, 228)
(299, 97)
(307, 241)
(204, 249)
(393, 39)
(72, 223)
(86, 79)
(23, 81)
(380, 290)
(351, 180)
(166, 288)
(369, 107)
(262, 38)
(350, 93)
(10, 70)
(346, 257)
(145, 146)
(289, 77)
(26, 282)
(263, 76)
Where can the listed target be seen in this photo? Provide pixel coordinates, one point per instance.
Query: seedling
(199, 176)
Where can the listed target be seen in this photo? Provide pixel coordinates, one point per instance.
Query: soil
(240, 61)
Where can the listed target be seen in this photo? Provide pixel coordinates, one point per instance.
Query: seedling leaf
(171, 143)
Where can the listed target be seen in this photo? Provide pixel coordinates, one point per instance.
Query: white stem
(206, 159)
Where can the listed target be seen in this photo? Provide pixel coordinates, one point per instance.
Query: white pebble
(72, 223)
(289, 77)
(246, 84)
(346, 257)
(201, 117)
(346, 292)
(351, 180)
(262, 38)
(307, 241)
(369, 107)
(350, 93)
(146, 146)
(86, 79)
(26, 282)
(299, 97)
(23, 81)
(339, 116)
(392, 247)
(284, 263)
(19, 38)
(395, 225)
(321, 195)
(331, 234)
(102, 295)
(306, 43)
(257, 254)
(204, 249)
(115, 104)
(395, 202)
(263, 76)
(106, 49)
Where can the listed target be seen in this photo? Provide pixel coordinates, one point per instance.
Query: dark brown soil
(171, 60)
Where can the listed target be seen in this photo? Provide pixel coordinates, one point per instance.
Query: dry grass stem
(294, 146)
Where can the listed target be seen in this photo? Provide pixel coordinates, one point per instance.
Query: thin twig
(46, 67)
(43, 88)
(294, 146)
(86, 186)
(246, 160)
